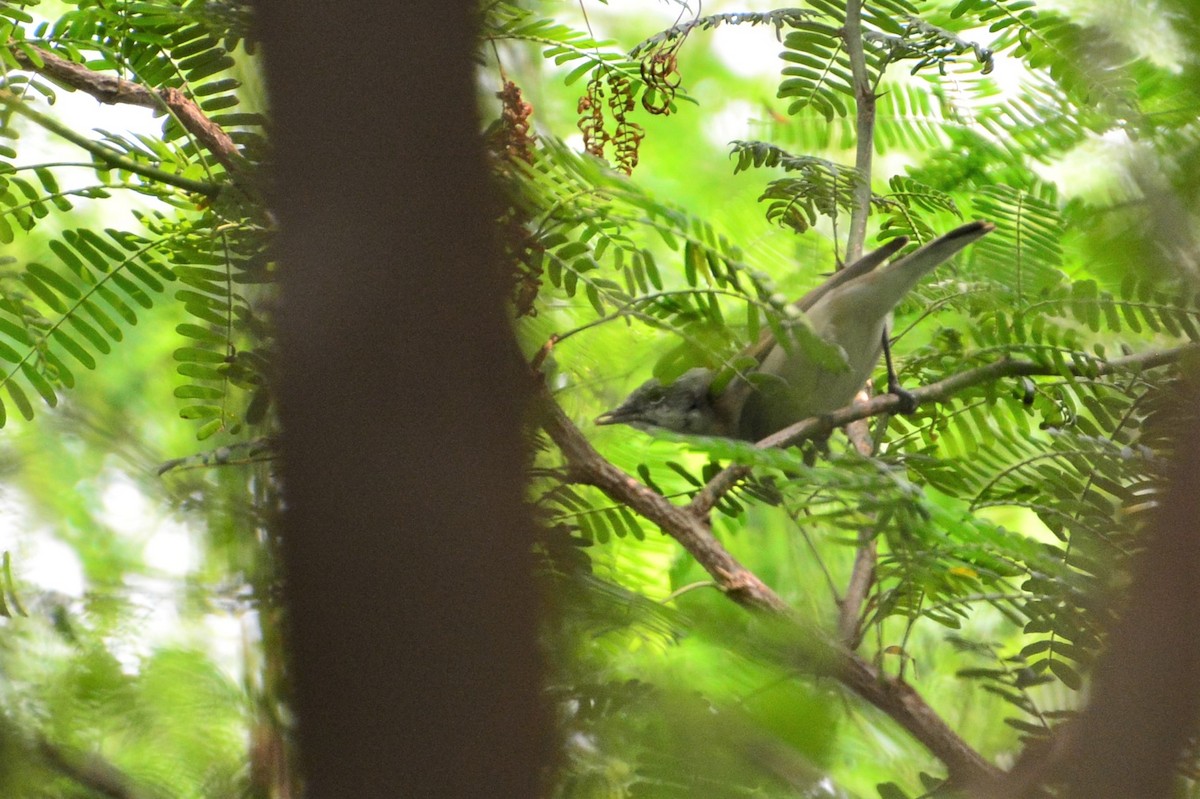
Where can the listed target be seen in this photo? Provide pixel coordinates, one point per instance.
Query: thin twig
(862, 577)
(812, 548)
(678, 592)
(865, 122)
(863, 571)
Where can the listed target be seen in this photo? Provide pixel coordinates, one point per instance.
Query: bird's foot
(816, 448)
(908, 401)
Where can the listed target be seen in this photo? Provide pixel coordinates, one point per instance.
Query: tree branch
(113, 90)
(817, 426)
(862, 576)
(693, 531)
(864, 99)
(689, 529)
(108, 155)
(690, 526)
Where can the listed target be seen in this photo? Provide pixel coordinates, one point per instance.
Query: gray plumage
(851, 309)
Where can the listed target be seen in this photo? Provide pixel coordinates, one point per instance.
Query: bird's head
(683, 406)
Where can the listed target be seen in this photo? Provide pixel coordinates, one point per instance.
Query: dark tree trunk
(406, 543)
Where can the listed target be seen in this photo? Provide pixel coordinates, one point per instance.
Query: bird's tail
(898, 277)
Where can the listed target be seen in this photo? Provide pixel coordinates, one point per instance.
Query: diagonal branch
(113, 90)
(690, 529)
(690, 526)
(693, 531)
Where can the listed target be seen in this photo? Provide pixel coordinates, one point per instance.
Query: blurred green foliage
(140, 644)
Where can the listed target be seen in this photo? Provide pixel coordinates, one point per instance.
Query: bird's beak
(620, 415)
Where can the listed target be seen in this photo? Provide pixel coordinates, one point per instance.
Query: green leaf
(200, 371)
(198, 355)
(1069, 676)
(44, 293)
(200, 412)
(192, 391)
(20, 400)
(93, 335)
(72, 347)
(209, 428)
(200, 333)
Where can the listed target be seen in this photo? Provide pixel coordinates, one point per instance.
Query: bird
(851, 310)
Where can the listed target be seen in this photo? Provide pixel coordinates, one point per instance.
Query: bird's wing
(759, 349)
(892, 281)
(732, 396)
(907, 270)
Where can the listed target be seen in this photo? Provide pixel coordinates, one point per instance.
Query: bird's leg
(908, 403)
(816, 447)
